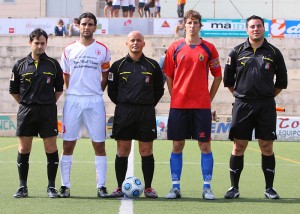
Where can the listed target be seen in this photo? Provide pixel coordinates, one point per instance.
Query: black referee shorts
(37, 119)
(248, 116)
(134, 122)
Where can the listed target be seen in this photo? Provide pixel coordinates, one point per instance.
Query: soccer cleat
(232, 193)
(52, 192)
(150, 193)
(102, 192)
(21, 193)
(270, 193)
(207, 194)
(117, 193)
(174, 193)
(64, 192)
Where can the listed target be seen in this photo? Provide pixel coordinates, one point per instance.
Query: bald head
(135, 43)
(135, 34)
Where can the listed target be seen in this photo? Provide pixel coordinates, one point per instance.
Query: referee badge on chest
(110, 76)
(267, 66)
(48, 80)
(147, 79)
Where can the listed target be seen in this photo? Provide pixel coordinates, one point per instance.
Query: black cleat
(21, 193)
(52, 192)
(102, 192)
(64, 192)
(270, 193)
(232, 193)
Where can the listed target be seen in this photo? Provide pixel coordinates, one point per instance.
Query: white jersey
(132, 2)
(85, 66)
(125, 3)
(116, 2)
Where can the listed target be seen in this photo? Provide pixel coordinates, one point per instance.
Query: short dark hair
(193, 14)
(37, 33)
(254, 17)
(87, 15)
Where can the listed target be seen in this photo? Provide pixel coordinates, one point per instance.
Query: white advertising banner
(165, 26)
(288, 128)
(26, 26)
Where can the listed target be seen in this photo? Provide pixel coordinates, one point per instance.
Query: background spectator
(157, 8)
(60, 29)
(180, 30)
(74, 28)
(141, 7)
(116, 6)
(180, 7)
(107, 8)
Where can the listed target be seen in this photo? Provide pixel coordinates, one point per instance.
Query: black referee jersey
(252, 71)
(135, 82)
(36, 85)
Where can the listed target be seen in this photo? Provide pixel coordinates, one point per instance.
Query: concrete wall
(16, 47)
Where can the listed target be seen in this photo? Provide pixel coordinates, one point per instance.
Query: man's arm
(277, 91)
(170, 85)
(231, 89)
(16, 97)
(58, 94)
(66, 79)
(104, 80)
(214, 87)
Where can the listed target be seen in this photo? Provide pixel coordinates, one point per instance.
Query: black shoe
(64, 192)
(52, 192)
(270, 193)
(21, 193)
(232, 193)
(102, 192)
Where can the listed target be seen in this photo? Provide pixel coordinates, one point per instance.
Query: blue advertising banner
(280, 28)
(227, 28)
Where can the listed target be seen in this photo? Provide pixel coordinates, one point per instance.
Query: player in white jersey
(85, 63)
(125, 7)
(131, 7)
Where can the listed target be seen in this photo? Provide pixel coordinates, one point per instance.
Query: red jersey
(189, 70)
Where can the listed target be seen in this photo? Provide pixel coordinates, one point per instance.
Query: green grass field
(83, 191)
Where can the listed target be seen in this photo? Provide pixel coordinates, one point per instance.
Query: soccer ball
(132, 187)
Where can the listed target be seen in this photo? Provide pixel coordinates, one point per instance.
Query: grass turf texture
(83, 191)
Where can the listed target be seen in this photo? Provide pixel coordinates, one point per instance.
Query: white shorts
(84, 111)
(152, 9)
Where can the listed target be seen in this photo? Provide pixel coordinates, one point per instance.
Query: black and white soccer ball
(132, 187)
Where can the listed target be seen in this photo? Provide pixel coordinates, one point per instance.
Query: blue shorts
(131, 8)
(189, 124)
(125, 8)
(116, 7)
(141, 5)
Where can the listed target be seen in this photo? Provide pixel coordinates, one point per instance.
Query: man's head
(255, 28)
(193, 15)
(76, 21)
(87, 25)
(38, 41)
(192, 23)
(135, 42)
(87, 15)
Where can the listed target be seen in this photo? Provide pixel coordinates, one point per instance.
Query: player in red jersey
(187, 65)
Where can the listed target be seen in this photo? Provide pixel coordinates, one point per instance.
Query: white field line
(126, 206)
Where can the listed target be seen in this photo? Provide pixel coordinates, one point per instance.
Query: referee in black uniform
(135, 85)
(249, 74)
(36, 84)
